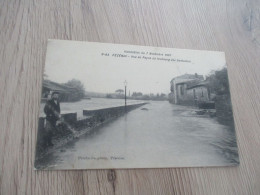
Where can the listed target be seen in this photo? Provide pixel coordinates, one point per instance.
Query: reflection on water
(162, 135)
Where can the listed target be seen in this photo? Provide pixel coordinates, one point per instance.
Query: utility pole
(125, 93)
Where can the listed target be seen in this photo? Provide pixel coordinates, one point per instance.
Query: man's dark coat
(52, 111)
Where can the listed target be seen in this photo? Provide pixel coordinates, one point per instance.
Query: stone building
(189, 89)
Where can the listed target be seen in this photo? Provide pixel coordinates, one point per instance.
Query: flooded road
(158, 134)
(93, 103)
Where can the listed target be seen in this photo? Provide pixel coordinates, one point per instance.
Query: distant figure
(52, 111)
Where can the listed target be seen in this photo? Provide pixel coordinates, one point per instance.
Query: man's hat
(55, 92)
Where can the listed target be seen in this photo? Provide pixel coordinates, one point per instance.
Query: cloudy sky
(66, 60)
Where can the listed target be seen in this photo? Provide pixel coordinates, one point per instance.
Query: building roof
(57, 87)
(193, 83)
(189, 76)
(197, 83)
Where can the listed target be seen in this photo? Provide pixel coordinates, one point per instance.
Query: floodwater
(161, 135)
(93, 103)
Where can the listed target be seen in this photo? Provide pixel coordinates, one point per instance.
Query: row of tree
(218, 82)
(119, 93)
(77, 84)
(151, 96)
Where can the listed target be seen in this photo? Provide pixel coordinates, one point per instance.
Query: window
(182, 90)
(194, 93)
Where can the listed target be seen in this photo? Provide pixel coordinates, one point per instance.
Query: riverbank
(158, 133)
(93, 103)
(72, 127)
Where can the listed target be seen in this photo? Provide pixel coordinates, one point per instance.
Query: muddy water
(161, 135)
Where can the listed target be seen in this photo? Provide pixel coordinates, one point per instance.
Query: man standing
(52, 111)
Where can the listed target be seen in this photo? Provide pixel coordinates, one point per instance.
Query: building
(67, 94)
(189, 89)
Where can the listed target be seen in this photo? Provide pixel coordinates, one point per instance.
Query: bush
(218, 82)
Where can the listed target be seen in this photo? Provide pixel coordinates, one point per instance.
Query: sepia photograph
(116, 106)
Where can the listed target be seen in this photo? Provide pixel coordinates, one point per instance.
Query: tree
(119, 91)
(218, 82)
(163, 95)
(78, 85)
(135, 94)
(108, 96)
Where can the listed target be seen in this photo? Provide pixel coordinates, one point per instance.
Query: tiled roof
(194, 83)
(189, 76)
(197, 84)
(57, 87)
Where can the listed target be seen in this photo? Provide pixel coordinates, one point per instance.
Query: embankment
(71, 127)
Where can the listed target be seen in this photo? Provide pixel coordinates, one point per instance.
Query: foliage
(119, 91)
(151, 96)
(78, 85)
(136, 94)
(218, 82)
(109, 96)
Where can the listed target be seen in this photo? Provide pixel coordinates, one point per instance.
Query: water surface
(161, 135)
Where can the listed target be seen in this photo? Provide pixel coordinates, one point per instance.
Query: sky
(66, 60)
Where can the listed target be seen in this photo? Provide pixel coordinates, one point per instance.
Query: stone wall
(62, 130)
(106, 113)
(71, 127)
(191, 97)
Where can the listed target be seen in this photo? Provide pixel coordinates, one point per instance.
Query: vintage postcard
(106, 106)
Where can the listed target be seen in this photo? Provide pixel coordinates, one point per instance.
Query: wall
(112, 111)
(188, 95)
(71, 126)
(171, 97)
(201, 93)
